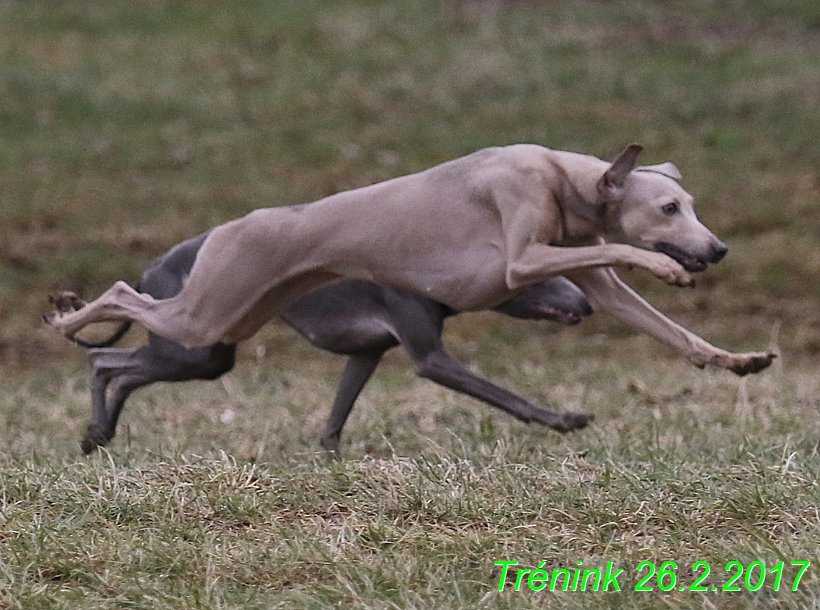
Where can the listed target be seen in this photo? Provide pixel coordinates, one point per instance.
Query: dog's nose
(718, 252)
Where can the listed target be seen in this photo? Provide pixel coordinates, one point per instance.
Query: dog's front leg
(538, 261)
(357, 372)
(606, 292)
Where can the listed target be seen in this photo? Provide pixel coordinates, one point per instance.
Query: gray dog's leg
(118, 372)
(422, 340)
(394, 318)
(438, 366)
(107, 365)
(357, 372)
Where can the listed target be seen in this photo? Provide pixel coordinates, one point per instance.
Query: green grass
(682, 465)
(126, 127)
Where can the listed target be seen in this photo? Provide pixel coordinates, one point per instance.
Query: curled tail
(118, 334)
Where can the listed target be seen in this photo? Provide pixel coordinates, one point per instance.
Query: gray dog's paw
(752, 363)
(577, 421)
(95, 437)
(564, 422)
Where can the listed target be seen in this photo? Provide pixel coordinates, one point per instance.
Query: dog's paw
(670, 271)
(743, 364)
(52, 318)
(57, 321)
(330, 442)
(66, 301)
(95, 437)
(574, 421)
(561, 422)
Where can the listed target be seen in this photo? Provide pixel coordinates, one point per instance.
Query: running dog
(469, 233)
(349, 317)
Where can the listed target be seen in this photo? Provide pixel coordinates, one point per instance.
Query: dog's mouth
(687, 261)
(540, 306)
(554, 314)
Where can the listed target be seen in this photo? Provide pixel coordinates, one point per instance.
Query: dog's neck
(583, 211)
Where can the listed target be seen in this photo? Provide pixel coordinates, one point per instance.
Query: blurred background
(126, 127)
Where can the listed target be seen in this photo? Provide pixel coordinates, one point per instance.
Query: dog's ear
(615, 176)
(670, 170)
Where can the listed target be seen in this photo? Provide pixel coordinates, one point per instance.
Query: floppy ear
(614, 178)
(670, 170)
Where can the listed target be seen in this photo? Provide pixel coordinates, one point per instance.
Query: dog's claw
(681, 279)
(687, 282)
(50, 317)
(331, 443)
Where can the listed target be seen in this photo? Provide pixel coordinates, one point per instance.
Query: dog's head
(556, 299)
(646, 207)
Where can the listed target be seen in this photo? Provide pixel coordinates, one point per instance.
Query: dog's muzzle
(691, 263)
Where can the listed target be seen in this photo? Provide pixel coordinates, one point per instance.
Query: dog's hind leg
(357, 372)
(100, 432)
(118, 372)
(109, 365)
(118, 303)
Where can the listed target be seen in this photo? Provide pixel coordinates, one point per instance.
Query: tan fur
(468, 233)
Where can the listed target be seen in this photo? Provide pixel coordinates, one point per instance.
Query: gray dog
(350, 317)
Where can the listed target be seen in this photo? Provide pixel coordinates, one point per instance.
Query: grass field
(126, 127)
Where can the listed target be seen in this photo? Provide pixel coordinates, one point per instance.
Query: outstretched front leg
(422, 340)
(357, 372)
(118, 303)
(440, 367)
(606, 292)
(538, 261)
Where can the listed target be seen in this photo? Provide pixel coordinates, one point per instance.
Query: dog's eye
(670, 208)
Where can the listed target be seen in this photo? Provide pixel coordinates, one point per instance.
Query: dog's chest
(474, 278)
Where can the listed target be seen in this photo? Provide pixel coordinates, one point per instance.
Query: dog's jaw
(554, 314)
(687, 261)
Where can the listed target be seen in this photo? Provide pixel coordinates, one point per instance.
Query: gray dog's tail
(118, 334)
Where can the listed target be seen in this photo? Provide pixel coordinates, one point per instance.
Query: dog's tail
(118, 334)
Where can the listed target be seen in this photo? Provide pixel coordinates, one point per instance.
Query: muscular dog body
(469, 234)
(349, 317)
